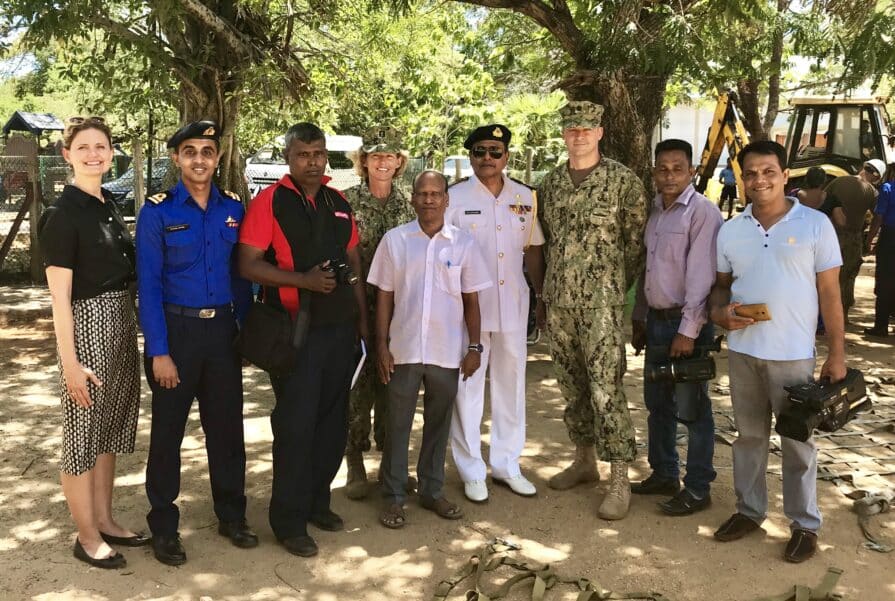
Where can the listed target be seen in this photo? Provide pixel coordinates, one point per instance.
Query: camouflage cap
(581, 113)
(381, 139)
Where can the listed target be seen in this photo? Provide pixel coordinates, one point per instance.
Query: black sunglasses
(79, 120)
(479, 152)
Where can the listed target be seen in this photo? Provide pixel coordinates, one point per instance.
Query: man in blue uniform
(190, 300)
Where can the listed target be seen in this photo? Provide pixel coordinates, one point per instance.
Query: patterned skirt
(106, 342)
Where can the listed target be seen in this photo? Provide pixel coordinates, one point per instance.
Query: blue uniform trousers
(210, 371)
(661, 402)
(310, 427)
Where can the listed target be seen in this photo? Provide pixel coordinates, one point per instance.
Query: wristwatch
(479, 348)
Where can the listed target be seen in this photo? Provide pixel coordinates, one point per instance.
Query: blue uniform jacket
(187, 256)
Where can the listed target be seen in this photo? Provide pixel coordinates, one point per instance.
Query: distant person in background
(884, 224)
(813, 195)
(729, 192)
(89, 257)
(857, 194)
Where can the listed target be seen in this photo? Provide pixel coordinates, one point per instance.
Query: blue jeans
(660, 399)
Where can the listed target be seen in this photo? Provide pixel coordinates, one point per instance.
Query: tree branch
(557, 20)
(219, 26)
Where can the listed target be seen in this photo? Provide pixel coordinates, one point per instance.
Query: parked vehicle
(456, 167)
(267, 166)
(122, 188)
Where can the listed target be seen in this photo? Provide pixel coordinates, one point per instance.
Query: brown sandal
(393, 517)
(442, 507)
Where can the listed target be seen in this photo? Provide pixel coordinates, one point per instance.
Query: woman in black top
(89, 258)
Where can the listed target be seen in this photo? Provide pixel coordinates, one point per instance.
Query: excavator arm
(727, 130)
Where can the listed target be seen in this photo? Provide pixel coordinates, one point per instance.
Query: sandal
(393, 517)
(442, 508)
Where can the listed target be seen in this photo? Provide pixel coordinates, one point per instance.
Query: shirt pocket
(447, 278)
(182, 249)
(230, 235)
(471, 222)
(671, 248)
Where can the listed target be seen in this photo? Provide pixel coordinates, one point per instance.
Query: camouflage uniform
(373, 221)
(594, 252)
(852, 245)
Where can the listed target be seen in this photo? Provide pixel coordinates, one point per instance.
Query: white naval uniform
(502, 227)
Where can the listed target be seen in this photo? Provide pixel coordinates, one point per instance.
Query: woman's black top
(81, 233)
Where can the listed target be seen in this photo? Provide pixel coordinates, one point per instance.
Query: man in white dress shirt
(501, 214)
(428, 274)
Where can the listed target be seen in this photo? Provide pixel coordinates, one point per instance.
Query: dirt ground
(644, 552)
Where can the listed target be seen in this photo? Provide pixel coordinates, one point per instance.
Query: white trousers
(504, 358)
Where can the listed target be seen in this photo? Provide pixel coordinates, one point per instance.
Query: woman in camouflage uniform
(379, 204)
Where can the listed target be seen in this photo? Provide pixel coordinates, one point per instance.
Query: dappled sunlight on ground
(646, 551)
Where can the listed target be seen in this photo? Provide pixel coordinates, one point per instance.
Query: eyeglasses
(79, 120)
(479, 152)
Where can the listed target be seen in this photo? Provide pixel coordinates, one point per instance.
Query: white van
(267, 166)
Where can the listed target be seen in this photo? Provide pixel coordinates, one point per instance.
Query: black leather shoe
(138, 540)
(684, 503)
(116, 560)
(736, 527)
(656, 485)
(876, 333)
(168, 550)
(801, 546)
(303, 546)
(239, 534)
(327, 520)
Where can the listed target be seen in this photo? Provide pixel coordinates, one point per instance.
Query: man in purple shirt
(670, 319)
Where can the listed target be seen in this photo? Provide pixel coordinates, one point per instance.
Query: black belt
(667, 314)
(201, 313)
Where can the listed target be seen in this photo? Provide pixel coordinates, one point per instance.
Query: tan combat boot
(615, 503)
(582, 470)
(356, 487)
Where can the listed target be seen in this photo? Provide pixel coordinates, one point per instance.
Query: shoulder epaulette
(521, 183)
(459, 181)
(159, 198)
(232, 195)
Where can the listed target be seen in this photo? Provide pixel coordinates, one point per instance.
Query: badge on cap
(208, 132)
(497, 133)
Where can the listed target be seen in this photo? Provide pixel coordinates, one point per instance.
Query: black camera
(822, 405)
(343, 273)
(698, 367)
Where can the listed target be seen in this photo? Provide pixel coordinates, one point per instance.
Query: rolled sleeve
(723, 264)
(150, 261)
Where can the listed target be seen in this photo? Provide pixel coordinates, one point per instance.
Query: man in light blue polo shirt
(786, 256)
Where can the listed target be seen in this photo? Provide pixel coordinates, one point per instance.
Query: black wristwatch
(479, 348)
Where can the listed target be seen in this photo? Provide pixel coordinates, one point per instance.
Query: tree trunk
(750, 110)
(221, 104)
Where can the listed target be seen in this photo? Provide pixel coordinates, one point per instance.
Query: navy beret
(495, 131)
(197, 130)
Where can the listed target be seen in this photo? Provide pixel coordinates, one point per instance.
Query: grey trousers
(756, 390)
(438, 403)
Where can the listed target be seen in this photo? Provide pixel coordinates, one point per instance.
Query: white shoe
(476, 491)
(519, 485)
